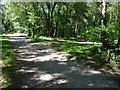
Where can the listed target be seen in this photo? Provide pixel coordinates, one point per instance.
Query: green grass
(89, 53)
(50, 39)
(8, 69)
(83, 52)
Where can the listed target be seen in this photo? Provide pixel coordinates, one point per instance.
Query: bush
(93, 33)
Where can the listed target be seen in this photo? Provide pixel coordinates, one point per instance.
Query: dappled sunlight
(47, 77)
(64, 45)
(25, 70)
(42, 66)
(51, 57)
(15, 35)
(34, 44)
(62, 81)
(74, 68)
(12, 35)
(91, 84)
(94, 72)
(40, 55)
(84, 71)
(63, 63)
(13, 40)
(95, 43)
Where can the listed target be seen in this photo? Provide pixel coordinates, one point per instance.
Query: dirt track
(41, 66)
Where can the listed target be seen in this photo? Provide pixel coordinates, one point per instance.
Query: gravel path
(41, 66)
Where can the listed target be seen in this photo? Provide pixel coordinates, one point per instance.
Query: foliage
(90, 53)
(86, 20)
(57, 19)
(50, 39)
(8, 70)
(94, 33)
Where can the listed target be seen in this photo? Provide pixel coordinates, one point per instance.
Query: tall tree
(118, 24)
(103, 21)
(104, 39)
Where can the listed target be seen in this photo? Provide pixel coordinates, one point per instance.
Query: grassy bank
(50, 39)
(90, 53)
(8, 69)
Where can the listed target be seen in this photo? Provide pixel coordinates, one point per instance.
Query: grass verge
(89, 53)
(50, 39)
(9, 72)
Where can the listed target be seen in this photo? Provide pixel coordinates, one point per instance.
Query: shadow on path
(41, 66)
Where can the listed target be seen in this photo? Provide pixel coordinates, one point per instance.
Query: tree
(118, 24)
(60, 19)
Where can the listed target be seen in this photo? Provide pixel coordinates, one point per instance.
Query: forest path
(41, 66)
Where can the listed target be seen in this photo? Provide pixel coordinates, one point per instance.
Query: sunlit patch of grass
(114, 64)
(8, 69)
(90, 53)
(83, 52)
(50, 39)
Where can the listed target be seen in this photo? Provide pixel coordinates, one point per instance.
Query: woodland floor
(40, 66)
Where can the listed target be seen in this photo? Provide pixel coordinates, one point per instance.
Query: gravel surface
(43, 67)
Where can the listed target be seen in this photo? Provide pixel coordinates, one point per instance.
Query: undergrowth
(9, 72)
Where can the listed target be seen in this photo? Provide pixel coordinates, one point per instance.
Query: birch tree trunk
(104, 39)
(118, 23)
(103, 22)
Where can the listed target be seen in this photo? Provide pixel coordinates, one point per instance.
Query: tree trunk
(57, 22)
(49, 18)
(75, 30)
(104, 40)
(118, 25)
(33, 31)
(118, 43)
(103, 21)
